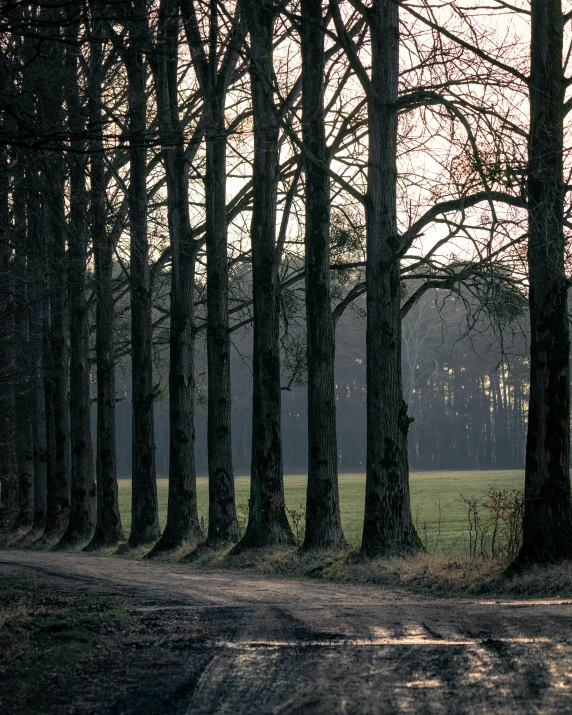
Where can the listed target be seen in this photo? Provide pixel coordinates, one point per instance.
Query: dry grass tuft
(439, 575)
(453, 576)
(127, 552)
(423, 572)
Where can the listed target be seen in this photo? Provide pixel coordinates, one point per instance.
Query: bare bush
(495, 523)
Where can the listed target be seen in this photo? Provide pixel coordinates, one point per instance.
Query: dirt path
(270, 645)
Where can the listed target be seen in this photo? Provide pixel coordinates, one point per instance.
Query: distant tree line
(467, 390)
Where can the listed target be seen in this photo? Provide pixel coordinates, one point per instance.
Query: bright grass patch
(438, 509)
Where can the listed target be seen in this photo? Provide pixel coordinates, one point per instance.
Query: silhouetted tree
(267, 520)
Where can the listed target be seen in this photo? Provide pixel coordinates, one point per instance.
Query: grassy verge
(442, 522)
(427, 573)
(441, 519)
(424, 573)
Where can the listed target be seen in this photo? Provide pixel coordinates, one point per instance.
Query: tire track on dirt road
(282, 645)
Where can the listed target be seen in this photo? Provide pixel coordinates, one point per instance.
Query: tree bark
(53, 504)
(83, 489)
(23, 382)
(323, 523)
(24, 443)
(108, 529)
(57, 367)
(223, 524)
(547, 524)
(8, 467)
(267, 521)
(388, 527)
(144, 511)
(182, 513)
(54, 172)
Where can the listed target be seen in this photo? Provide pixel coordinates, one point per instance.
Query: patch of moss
(33, 639)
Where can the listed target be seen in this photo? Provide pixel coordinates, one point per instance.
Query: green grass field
(431, 493)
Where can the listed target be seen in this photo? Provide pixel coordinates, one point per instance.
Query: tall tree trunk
(24, 437)
(108, 529)
(23, 381)
(323, 523)
(182, 513)
(223, 524)
(8, 467)
(58, 373)
(548, 507)
(388, 527)
(83, 489)
(48, 360)
(267, 521)
(144, 512)
(459, 445)
(54, 176)
(54, 506)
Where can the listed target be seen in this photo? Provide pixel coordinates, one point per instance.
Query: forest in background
(467, 389)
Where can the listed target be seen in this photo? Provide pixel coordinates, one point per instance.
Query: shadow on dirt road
(228, 642)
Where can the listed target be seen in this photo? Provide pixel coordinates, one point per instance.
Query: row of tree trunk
(54, 207)
(62, 437)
